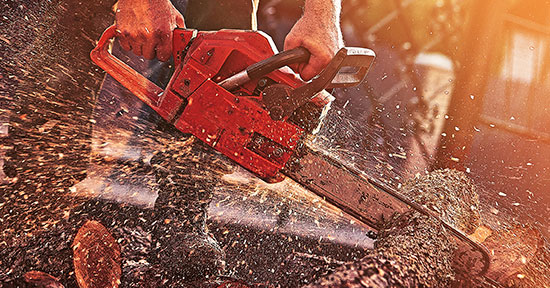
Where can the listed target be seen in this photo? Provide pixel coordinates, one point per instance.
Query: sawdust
(450, 194)
(46, 90)
(48, 87)
(411, 251)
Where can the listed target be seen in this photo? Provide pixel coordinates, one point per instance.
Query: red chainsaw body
(234, 123)
(237, 122)
(230, 122)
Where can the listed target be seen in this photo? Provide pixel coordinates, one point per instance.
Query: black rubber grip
(296, 55)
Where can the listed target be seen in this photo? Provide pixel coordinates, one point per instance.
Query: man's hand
(145, 27)
(319, 31)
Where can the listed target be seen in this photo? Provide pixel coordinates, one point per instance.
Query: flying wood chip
(96, 257)
(39, 279)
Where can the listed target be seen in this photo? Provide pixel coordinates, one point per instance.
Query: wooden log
(96, 257)
(37, 279)
(520, 256)
(536, 273)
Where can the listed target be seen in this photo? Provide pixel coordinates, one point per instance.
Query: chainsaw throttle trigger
(348, 68)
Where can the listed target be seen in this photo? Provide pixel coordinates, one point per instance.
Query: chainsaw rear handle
(140, 86)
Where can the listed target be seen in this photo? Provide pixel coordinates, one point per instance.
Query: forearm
(325, 11)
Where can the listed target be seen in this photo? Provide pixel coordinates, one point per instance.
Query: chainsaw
(231, 90)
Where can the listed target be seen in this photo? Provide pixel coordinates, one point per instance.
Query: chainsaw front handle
(140, 86)
(266, 66)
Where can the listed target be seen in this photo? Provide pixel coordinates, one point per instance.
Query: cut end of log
(96, 257)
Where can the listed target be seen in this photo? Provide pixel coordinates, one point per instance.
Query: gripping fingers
(289, 44)
(123, 39)
(308, 72)
(164, 50)
(164, 40)
(137, 49)
(148, 49)
(180, 22)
